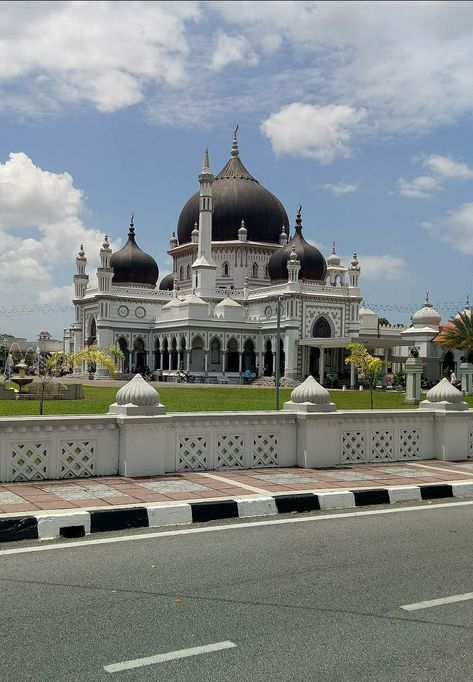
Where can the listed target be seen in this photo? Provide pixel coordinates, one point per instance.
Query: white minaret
(354, 274)
(204, 267)
(105, 272)
(81, 279)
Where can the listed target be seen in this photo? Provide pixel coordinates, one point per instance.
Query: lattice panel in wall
(28, 461)
(353, 447)
(229, 451)
(77, 459)
(382, 443)
(265, 450)
(192, 453)
(470, 443)
(409, 443)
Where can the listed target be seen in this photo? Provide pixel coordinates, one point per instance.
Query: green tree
(369, 368)
(383, 322)
(51, 367)
(458, 333)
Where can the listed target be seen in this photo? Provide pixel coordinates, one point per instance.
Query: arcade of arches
(172, 354)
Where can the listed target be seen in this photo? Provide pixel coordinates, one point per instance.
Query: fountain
(21, 381)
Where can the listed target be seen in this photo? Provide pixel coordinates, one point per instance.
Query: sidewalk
(117, 492)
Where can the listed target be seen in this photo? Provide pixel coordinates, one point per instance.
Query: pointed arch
(322, 329)
(233, 355)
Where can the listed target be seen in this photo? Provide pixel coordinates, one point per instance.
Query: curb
(73, 524)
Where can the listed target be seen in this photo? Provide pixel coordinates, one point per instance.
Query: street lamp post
(278, 350)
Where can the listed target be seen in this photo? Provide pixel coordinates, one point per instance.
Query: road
(318, 599)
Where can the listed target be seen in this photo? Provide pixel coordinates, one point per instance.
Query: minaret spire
(206, 164)
(204, 267)
(235, 150)
(298, 227)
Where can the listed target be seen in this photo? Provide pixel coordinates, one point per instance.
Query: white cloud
(99, 52)
(446, 167)
(40, 232)
(455, 228)
(408, 63)
(340, 188)
(381, 267)
(421, 187)
(314, 132)
(442, 168)
(230, 49)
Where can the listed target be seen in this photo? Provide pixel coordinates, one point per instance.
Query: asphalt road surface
(315, 599)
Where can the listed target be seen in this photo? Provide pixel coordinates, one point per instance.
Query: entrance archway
(249, 356)
(139, 354)
(173, 353)
(268, 359)
(320, 330)
(123, 346)
(197, 354)
(232, 356)
(166, 354)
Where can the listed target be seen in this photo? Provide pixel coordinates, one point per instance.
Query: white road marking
(232, 526)
(170, 656)
(235, 484)
(445, 470)
(438, 602)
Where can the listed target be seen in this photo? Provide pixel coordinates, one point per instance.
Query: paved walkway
(114, 491)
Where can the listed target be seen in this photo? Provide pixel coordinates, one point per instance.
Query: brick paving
(109, 491)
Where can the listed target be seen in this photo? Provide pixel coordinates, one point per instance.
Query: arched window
(215, 351)
(188, 272)
(181, 273)
(266, 271)
(254, 270)
(321, 329)
(225, 270)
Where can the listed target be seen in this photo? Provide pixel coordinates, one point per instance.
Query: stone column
(321, 366)
(224, 360)
(179, 358)
(188, 360)
(414, 370)
(352, 376)
(206, 360)
(466, 376)
(240, 361)
(161, 353)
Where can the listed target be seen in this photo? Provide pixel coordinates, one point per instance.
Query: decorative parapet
(444, 396)
(137, 397)
(310, 396)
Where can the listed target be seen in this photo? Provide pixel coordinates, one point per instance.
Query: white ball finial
(310, 396)
(137, 397)
(444, 396)
(444, 391)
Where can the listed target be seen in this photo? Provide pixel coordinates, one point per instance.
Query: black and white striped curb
(77, 523)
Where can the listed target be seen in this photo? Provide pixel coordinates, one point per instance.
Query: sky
(360, 111)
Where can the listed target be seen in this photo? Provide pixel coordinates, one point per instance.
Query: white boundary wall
(61, 447)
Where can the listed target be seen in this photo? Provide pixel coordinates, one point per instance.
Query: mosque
(246, 294)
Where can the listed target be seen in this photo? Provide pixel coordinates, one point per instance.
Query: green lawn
(197, 399)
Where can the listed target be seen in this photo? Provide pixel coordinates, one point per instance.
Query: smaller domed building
(239, 274)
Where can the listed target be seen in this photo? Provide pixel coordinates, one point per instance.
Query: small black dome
(237, 196)
(167, 282)
(131, 265)
(313, 265)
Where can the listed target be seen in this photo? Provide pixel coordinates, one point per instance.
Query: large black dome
(131, 265)
(313, 265)
(237, 196)
(167, 282)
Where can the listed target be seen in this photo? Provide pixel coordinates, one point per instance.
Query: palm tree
(458, 333)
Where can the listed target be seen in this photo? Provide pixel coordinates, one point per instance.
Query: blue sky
(360, 111)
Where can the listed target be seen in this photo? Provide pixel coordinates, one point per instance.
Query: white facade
(220, 319)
